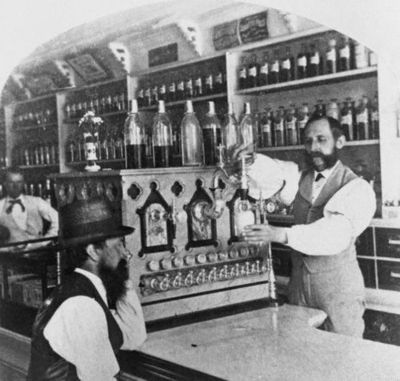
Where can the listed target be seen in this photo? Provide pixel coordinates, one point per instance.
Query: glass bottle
(230, 132)
(344, 54)
(303, 115)
(154, 94)
(315, 61)
(332, 109)
(211, 135)
(264, 70)
(362, 119)
(219, 85)
(279, 128)
(331, 57)
(247, 130)
(253, 72)
(208, 81)
(172, 90)
(147, 95)
(360, 56)
(140, 97)
(287, 66)
(189, 86)
(374, 130)
(274, 70)
(135, 139)
(302, 62)
(266, 127)
(291, 126)
(162, 90)
(191, 138)
(180, 86)
(347, 119)
(243, 74)
(198, 85)
(162, 138)
(319, 109)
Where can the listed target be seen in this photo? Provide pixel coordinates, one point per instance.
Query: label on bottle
(362, 117)
(302, 123)
(209, 80)
(266, 128)
(279, 126)
(286, 64)
(373, 58)
(163, 89)
(243, 73)
(314, 60)
(346, 119)
(189, 84)
(345, 52)
(275, 66)
(264, 68)
(172, 87)
(361, 56)
(147, 93)
(302, 61)
(198, 82)
(219, 78)
(375, 115)
(253, 71)
(291, 125)
(331, 55)
(181, 86)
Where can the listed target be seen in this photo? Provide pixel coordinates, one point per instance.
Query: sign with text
(225, 36)
(253, 28)
(87, 67)
(163, 54)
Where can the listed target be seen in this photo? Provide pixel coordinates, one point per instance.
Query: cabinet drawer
(367, 267)
(388, 242)
(365, 243)
(389, 275)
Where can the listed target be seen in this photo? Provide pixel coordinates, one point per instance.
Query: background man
(331, 207)
(22, 214)
(95, 311)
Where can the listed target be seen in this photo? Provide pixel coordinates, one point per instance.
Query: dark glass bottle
(243, 74)
(291, 126)
(264, 70)
(303, 115)
(347, 119)
(302, 62)
(208, 81)
(279, 129)
(374, 127)
(189, 88)
(162, 90)
(135, 139)
(363, 119)
(266, 128)
(253, 72)
(319, 109)
(287, 66)
(172, 90)
(345, 54)
(198, 85)
(180, 87)
(274, 69)
(219, 81)
(315, 61)
(331, 57)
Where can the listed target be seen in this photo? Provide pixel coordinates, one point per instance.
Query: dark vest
(47, 365)
(305, 213)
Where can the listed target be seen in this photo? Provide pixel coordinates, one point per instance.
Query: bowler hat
(87, 221)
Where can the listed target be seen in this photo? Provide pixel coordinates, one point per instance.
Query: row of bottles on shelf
(285, 127)
(312, 60)
(36, 152)
(98, 104)
(183, 85)
(34, 118)
(43, 189)
(198, 144)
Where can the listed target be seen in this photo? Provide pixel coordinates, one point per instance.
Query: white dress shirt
(345, 216)
(78, 331)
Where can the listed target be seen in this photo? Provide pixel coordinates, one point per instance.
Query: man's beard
(328, 161)
(114, 280)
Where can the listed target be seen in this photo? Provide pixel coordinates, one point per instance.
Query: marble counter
(273, 344)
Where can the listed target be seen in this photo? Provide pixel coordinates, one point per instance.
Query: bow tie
(319, 177)
(12, 203)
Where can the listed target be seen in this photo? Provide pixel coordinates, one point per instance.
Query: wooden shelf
(35, 127)
(182, 102)
(38, 166)
(97, 161)
(312, 81)
(301, 147)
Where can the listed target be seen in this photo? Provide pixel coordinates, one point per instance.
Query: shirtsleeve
(78, 332)
(346, 215)
(50, 214)
(129, 316)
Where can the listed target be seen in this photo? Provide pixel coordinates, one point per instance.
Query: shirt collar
(326, 172)
(97, 283)
(20, 197)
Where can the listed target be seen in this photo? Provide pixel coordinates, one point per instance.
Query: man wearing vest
(23, 215)
(332, 207)
(95, 311)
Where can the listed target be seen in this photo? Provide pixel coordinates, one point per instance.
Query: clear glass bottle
(230, 132)
(331, 57)
(247, 128)
(347, 119)
(211, 135)
(291, 126)
(303, 115)
(302, 62)
(162, 138)
(135, 139)
(264, 70)
(191, 138)
(362, 119)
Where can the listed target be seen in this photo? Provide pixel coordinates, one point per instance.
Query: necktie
(12, 203)
(319, 177)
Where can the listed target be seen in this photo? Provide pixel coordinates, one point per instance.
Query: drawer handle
(394, 275)
(394, 241)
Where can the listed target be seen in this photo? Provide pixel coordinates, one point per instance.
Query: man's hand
(264, 234)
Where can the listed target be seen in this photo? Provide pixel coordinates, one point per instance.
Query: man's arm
(78, 333)
(129, 316)
(47, 212)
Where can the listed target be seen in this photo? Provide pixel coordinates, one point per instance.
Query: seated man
(22, 214)
(95, 311)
